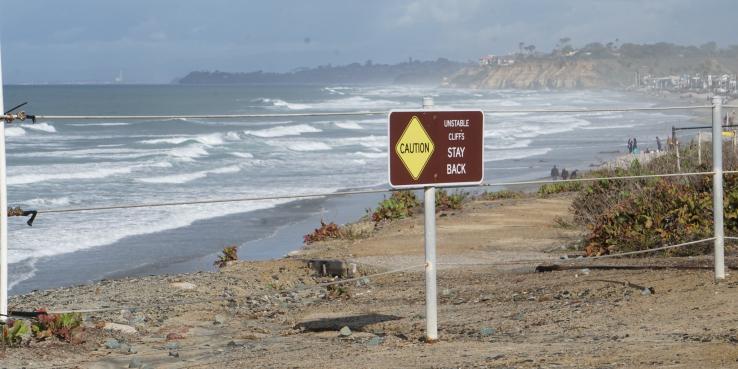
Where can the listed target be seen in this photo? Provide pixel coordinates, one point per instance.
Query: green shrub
(500, 195)
(558, 187)
(63, 326)
(324, 232)
(229, 253)
(399, 205)
(446, 201)
(638, 214)
(14, 332)
(660, 214)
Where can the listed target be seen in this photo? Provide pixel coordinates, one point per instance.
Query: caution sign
(439, 148)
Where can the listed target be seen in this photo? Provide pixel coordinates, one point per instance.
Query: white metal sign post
(429, 148)
(3, 210)
(431, 291)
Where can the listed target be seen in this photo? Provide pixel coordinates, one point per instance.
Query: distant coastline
(410, 72)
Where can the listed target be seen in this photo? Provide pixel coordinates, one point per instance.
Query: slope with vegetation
(597, 66)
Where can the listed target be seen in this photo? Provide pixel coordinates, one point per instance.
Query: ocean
(61, 164)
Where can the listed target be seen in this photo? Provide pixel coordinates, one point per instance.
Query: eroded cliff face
(537, 74)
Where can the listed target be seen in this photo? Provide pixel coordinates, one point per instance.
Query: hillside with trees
(410, 72)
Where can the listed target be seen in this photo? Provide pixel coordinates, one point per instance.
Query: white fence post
(431, 294)
(717, 186)
(699, 147)
(3, 211)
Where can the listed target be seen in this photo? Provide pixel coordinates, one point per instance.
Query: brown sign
(436, 148)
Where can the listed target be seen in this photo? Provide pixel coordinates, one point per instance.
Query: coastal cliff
(596, 66)
(533, 75)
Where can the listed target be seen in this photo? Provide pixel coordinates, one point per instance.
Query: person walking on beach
(635, 146)
(658, 144)
(554, 173)
(630, 146)
(573, 174)
(564, 174)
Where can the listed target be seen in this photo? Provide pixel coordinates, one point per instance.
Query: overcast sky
(158, 40)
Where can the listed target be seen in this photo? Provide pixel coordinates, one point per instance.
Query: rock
(584, 271)
(183, 285)
(77, 336)
(112, 344)
(345, 331)
(495, 357)
(135, 363)
(486, 331)
(173, 353)
(375, 341)
(219, 319)
(174, 336)
(647, 291)
(119, 328)
(172, 346)
(445, 292)
(124, 348)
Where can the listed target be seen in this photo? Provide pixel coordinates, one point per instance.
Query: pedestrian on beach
(564, 174)
(573, 174)
(554, 173)
(635, 146)
(658, 144)
(630, 146)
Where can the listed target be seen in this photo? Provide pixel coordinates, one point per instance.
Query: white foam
(188, 153)
(278, 103)
(498, 155)
(281, 131)
(347, 103)
(110, 124)
(55, 201)
(14, 132)
(517, 144)
(43, 127)
(348, 125)
(372, 155)
(208, 139)
(245, 155)
(102, 152)
(52, 174)
(189, 177)
(610, 126)
(308, 146)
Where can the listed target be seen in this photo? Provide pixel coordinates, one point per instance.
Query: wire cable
(354, 113)
(207, 116)
(345, 193)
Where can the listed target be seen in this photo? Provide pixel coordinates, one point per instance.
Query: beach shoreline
(263, 234)
(492, 308)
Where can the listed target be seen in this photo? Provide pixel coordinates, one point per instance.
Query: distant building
(492, 60)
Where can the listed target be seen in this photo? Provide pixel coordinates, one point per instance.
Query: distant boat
(119, 79)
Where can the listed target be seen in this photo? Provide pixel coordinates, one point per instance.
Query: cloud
(436, 11)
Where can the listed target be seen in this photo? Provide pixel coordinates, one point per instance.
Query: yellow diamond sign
(415, 148)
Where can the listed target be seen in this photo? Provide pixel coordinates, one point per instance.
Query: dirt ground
(271, 314)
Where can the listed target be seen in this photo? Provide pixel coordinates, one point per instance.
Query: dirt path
(266, 314)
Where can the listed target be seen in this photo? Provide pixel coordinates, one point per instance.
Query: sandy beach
(493, 312)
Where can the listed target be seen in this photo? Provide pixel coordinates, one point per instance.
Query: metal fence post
(3, 213)
(678, 155)
(431, 295)
(717, 186)
(699, 147)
